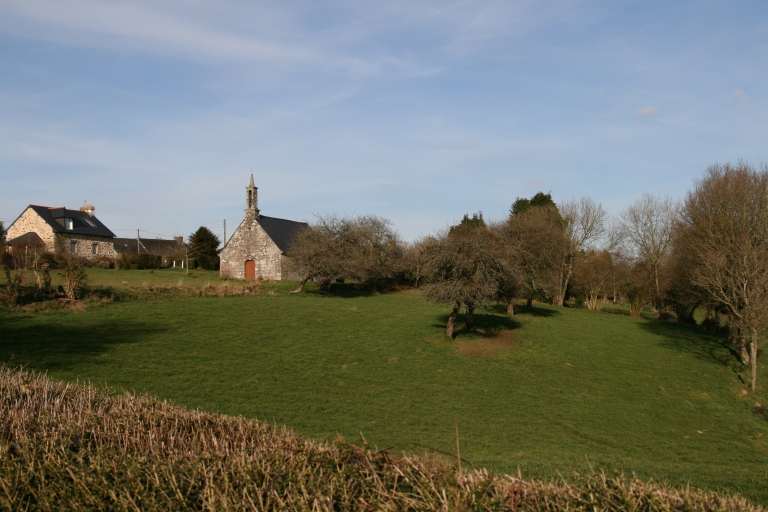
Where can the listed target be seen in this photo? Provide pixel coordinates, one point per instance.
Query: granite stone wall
(84, 245)
(30, 221)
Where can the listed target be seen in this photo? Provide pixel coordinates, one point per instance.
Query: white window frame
(94, 249)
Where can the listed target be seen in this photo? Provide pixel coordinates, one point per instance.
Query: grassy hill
(544, 393)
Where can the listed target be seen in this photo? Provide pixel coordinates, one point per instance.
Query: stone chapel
(257, 248)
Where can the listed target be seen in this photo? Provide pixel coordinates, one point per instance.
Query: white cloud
(646, 112)
(739, 95)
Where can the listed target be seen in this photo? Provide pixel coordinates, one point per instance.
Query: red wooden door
(250, 270)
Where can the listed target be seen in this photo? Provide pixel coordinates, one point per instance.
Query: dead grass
(489, 344)
(70, 446)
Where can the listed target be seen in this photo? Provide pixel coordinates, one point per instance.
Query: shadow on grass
(342, 290)
(53, 346)
(694, 340)
(501, 309)
(483, 322)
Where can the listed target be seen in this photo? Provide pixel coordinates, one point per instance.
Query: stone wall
(30, 221)
(84, 245)
(251, 242)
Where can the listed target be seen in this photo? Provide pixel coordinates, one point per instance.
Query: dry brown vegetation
(70, 446)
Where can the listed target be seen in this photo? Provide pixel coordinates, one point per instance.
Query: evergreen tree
(203, 247)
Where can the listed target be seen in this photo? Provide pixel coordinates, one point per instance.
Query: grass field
(553, 392)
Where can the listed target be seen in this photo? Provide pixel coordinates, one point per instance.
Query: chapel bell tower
(252, 200)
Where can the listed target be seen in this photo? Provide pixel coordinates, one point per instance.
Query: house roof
(154, 246)
(30, 238)
(281, 231)
(82, 223)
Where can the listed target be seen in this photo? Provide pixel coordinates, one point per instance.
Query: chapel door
(250, 270)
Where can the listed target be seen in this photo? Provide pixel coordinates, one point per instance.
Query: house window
(94, 249)
(68, 222)
(73, 247)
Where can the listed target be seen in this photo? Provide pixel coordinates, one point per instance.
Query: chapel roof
(281, 231)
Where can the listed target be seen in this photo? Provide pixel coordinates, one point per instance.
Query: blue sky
(156, 112)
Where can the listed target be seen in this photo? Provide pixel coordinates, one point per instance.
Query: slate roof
(154, 246)
(82, 223)
(30, 238)
(281, 231)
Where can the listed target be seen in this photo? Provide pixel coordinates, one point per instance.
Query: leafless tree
(724, 233)
(594, 276)
(463, 267)
(584, 224)
(363, 248)
(648, 225)
(635, 282)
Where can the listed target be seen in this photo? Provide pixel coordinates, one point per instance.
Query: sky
(158, 112)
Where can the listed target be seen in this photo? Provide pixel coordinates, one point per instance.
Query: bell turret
(252, 199)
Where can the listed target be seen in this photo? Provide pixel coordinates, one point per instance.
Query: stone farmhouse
(79, 232)
(257, 248)
(62, 230)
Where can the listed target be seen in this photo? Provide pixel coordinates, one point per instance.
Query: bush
(138, 261)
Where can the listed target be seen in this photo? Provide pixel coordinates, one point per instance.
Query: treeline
(707, 251)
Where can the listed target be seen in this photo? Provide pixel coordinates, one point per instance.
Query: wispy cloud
(646, 112)
(739, 95)
(536, 183)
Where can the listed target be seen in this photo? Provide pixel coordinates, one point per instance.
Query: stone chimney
(179, 239)
(89, 209)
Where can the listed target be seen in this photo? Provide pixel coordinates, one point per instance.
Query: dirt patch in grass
(490, 344)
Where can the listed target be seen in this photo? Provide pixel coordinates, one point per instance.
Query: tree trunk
(753, 360)
(451, 322)
(658, 291)
(559, 300)
(511, 307)
(529, 303)
(301, 286)
(469, 317)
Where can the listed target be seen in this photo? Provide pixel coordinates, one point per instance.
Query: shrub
(138, 261)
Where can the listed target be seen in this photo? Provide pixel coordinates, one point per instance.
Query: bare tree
(584, 224)
(463, 267)
(594, 276)
(648, 226)
(363, 248)
(724, 233)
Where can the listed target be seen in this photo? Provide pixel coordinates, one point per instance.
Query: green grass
(636, 395)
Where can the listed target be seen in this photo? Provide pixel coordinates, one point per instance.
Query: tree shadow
(342, 290)
(694, 340)
(53, 346)
(520, 309)
(483, 324)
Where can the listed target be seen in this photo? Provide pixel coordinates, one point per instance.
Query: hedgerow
(71, 446)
